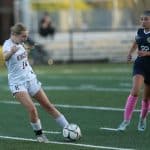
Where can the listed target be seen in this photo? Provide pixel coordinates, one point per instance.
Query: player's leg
(131, 101)
(144, 108)
(42, 98)
(26, 101)
(38, 93)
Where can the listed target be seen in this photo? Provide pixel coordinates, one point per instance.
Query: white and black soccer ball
(72, 132)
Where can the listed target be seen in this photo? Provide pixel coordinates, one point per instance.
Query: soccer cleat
(123, 125)
(42, 138)
(142, 124)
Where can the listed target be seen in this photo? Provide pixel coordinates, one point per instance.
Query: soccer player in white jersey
(23, 82)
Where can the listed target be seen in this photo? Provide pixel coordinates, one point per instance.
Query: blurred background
(75, 30)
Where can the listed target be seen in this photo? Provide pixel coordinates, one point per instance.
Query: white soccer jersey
(19, 69)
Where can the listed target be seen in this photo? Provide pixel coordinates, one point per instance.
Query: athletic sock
(62, 121)
(144, 108)
(37, 127)
(129, 107)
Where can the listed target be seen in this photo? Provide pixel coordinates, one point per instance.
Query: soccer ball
(72, 132)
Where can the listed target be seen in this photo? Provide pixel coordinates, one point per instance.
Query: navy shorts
(142, 67)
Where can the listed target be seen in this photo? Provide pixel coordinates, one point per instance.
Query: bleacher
(88, 46)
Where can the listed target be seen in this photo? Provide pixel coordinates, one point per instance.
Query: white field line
(101, 77)
(66, 143)
(85, 88)
(74, 106)
(109, 129)
(51, 132)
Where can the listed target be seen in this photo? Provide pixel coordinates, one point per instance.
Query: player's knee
(134, 93)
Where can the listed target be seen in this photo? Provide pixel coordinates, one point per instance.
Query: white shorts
(32, 87)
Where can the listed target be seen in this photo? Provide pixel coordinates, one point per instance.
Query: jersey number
(24, 64)
(144, 48)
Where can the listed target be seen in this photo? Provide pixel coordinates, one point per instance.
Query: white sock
(62, 121)
(36, 126)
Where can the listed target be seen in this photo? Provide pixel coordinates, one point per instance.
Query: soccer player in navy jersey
(141, 74)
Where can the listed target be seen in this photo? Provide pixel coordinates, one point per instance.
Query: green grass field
(91, 95)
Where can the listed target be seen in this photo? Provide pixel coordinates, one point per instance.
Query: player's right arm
(131, 51)
(7, 54)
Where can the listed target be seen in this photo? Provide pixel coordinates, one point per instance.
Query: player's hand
(14, 49)
(7, 55)
(129, 57)
(143, 53)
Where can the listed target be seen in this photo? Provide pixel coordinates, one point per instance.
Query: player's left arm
(131, 51)
(7, 54)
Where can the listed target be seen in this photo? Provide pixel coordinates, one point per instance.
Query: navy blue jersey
(143, 40)
(142, 64)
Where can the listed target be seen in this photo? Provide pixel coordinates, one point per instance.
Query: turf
(79, 91)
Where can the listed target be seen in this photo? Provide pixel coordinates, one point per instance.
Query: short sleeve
(6, 47)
